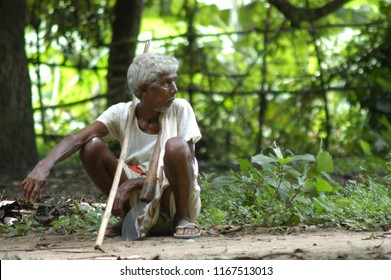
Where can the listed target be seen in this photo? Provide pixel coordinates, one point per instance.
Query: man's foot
(114, 230)
(187, 231)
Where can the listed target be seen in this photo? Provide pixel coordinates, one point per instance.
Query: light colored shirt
(178, 120)
(180, 114)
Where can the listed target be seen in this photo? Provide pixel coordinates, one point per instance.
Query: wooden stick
(148, 190)
(118, 172)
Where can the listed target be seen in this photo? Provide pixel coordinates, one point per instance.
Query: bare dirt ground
(219, 242)
(308, 245)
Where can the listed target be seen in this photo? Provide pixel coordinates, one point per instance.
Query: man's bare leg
(100, 164)
(178, 166)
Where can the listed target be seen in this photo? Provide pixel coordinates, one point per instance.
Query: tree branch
(298, 15)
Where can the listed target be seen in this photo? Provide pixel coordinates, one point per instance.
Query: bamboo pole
(118, 172)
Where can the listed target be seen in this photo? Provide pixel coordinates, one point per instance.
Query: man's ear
(143, 89)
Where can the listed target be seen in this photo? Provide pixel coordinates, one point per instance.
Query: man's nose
(174, 88)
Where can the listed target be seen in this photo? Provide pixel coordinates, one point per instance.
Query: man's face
(163, 92)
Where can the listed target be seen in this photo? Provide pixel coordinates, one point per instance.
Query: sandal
(187, 236)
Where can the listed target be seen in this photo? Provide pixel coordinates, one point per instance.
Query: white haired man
(176, 201)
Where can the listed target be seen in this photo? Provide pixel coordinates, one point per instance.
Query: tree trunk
(126, 27)
(17, 140)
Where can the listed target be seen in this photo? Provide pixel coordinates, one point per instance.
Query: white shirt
(180, 115)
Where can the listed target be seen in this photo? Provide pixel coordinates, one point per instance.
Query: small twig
(53, 246)
(73, 252)
(61, 204)
(292, 254)
(41, 248)
(97, 257)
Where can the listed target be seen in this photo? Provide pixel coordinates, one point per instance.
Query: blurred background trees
(17, 140)
(298, 72)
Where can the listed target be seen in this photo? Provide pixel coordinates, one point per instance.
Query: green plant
(81, 217)
(276, 189)
(272, 189)
(388, 168)
(22, 226)
(8, 257)
(290, 184)
(361, 205)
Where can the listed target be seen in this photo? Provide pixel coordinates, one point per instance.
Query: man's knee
(177, 145)
(92, 147)
(177, 150)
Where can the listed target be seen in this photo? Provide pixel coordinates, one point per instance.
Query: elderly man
(175, 203)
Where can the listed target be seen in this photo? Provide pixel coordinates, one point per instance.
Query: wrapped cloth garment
(152, 218)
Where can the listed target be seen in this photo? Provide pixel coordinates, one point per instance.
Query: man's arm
(36, 180)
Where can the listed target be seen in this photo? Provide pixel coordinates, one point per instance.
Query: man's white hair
(147, 68)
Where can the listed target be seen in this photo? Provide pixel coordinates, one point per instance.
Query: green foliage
(223, 53)
(22, 226)
(354, 165)
(276, 189)
(81, 216)
(221, 74)
(8, 257)
(278, 192)
(359, 205)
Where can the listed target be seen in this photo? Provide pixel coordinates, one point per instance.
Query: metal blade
(129, 231)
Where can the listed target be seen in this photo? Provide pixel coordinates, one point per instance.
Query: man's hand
(123, 194)
(35, 182)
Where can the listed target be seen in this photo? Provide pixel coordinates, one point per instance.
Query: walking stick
(118, 172)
